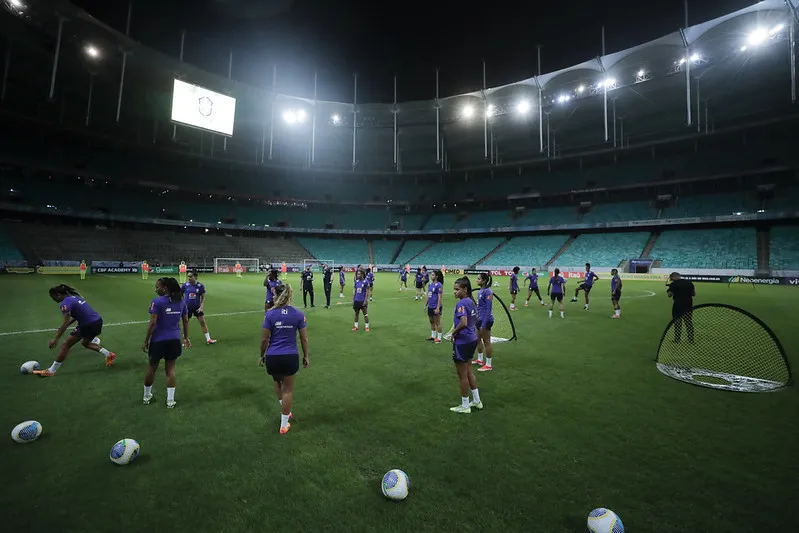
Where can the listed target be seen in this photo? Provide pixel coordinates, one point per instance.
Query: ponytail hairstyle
(467, 284)
(557, 272)
(172, 288)
(273, 274)
(486, 277)
(283, 294)
(516, 270)
(439, 276)
(63, 290)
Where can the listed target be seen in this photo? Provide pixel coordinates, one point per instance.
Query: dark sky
(378, 38)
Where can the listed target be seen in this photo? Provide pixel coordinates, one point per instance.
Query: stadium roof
(740, 72)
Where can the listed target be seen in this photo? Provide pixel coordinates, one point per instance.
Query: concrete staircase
(562, 249)
(492, 252)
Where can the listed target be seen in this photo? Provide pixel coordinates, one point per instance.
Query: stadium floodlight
(581, 89)
(335, 119)
(16, 3)
(563, 98)
(776, 29)
(757, 36)
(523, 107)
(92, 51)
(743, 48)
(607, 83)
(294, 116)
(491, 110)
(467, 111)
(641, 73)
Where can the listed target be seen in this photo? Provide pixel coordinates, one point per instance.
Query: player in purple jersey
(403, 277)
(162, 341)
(279, 350)
(425, 278)
(90, 325)
(359, 303)
(586, 285)
(370, 281)
(514, 287)
(433, 305)
(271, 283)
(419, 282)
(485, 321)
(341, 281)
(194, 296)
(464, 343)
(556, 288)
(532, 280)
(615, 292)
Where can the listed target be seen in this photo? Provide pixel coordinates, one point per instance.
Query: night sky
(380, 38)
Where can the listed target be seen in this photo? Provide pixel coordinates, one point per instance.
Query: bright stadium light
(563, 98)
(607, 83)
(581, 89)
(757, 36)
(641, 73)
(776, 29)
(523, 107)
(92, 51)
(294, 116)
(743, 48)
(467, 111)
(695, 57)
(16, 3)
(490, 110)
(335, 119)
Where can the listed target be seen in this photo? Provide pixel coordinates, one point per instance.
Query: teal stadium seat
(732, 248)
(711, 205)
(410, 250)
(8, 250)
(466, 252)
(784, 247)
(486, 219)
(545, 216)
(620, 212)
(411, 222)
(528, 252)
(442, 221)
(342, 251)
(383, 251)
(605, 250)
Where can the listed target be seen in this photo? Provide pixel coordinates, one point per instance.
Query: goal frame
(234, 260)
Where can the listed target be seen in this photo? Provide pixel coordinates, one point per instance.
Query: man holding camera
(682, 292)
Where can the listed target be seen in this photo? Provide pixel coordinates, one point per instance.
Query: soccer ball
(29, 367)
(27, 431)
(603, 520)
(395, 485)
(124, 452)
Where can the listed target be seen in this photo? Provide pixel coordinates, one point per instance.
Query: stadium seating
(533, 251)
(410, 250)
(411, 222)
(350, 251)
(620, 212)
(711, 205)
(383, 251)
(603, 249)
(8, 250)
(442, 221)
(544, 216)
(707, 248)
(461, 253)
(486, 219)
(784, 247)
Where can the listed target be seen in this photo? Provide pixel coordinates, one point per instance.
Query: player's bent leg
(171, 383)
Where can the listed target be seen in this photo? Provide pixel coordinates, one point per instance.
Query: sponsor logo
(58, 270)
(792, 281)
(20, 270)
(755, 281)
(115, 270)
(454, 271)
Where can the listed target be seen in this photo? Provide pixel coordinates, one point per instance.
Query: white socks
(356, 325)
(550, 313)
(479, 357)
(465, 402)
(561, 314)
(170, 394)
(284, 420)
(105, 352)
(439, 335)
(476, 396)
(148, 390)
(488, 364)
(208, 336)
(56, 365)
(433, 334)
(281, 402)
(617, 312)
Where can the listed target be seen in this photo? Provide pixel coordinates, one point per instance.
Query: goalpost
(316, 264)
(227, 265)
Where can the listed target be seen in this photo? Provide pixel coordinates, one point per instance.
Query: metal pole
(614, 123)
(698, 110)
(621, 127)
(438, 123)
(706, 123)
(263, 141)
(395, 121)
(272, 115)
(687, 69)
(548, 133)
(182, 43)
(792, 37)
(130, 14)
(605, 85)
(229, 74)
(313, 119)
(89, 102)
(6, 65)
(485, 115)
(57, 53)
(540, 106)
(122, 82)
(354, 119)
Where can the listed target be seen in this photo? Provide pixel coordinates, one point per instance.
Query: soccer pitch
(576, 417)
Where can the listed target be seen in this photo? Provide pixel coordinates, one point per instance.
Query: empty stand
(784, 246)
(533, 251)
(603, 249)
(731, 248)
(349, 251)
(457, 253)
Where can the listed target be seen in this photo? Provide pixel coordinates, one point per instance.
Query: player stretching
(90, 324)
(586, 285)
(485, 321)
(615, 292)
(532, 279)
(557, 288)
(162, 341)
(464, 343)
(435, 294)
(279, 350)
(359, 303)
(194, 296)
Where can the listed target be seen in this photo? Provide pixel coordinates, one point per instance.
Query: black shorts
(195, 312)
(487, 325)
(166, 350)
(88, 331)
(463, 353)
(680, 311)
(558, 297)
(280, 366)
(616, 296)
(371, 285)
(360, 306)
(419, 285)
(514, 292)
(584, 287)
(431, 311)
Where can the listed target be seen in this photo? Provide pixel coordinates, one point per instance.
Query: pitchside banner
(115, 270)
(58, 270)
(227, 269)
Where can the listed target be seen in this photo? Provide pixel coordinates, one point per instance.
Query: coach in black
(682, 292)
(307, 285)
(328, 281)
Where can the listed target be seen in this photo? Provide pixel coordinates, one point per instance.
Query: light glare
(563, 98)
(757, 37)
(490, 110)
(641, 73)
(336, 119)
(16, 3)
(468, 111)
(523, 107)
(92, 52)
(581, 89)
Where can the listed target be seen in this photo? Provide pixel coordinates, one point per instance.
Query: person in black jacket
(307, 285)
(328, 283)
(682, 292)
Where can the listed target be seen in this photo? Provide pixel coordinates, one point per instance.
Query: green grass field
(576, 416)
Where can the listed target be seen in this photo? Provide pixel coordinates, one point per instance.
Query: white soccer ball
(124, 452)
(27, 431)
(29, 367)
(603, 520)
(396, 484)
(96, 340)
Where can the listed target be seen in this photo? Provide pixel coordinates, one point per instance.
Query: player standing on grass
(194, 295)
(485, 321)
(342, 280)
(419, 281)
(237, 268)
(435, 294)
(682, 292)
(532, 279)
(403, 277)
(557, 288)
(514, 287)
(425, 278)
(145, 270)
(83, 269)
(359, 303)
(615, 292)
(464, 343)
(279, 350)
(327, 281)
(90, 325)
(271, 283)
(307, 285)
(162, 341)
(183, 270)
(586, 285)
(370, 280)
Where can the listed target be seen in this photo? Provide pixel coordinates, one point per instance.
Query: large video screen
(196, 106)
